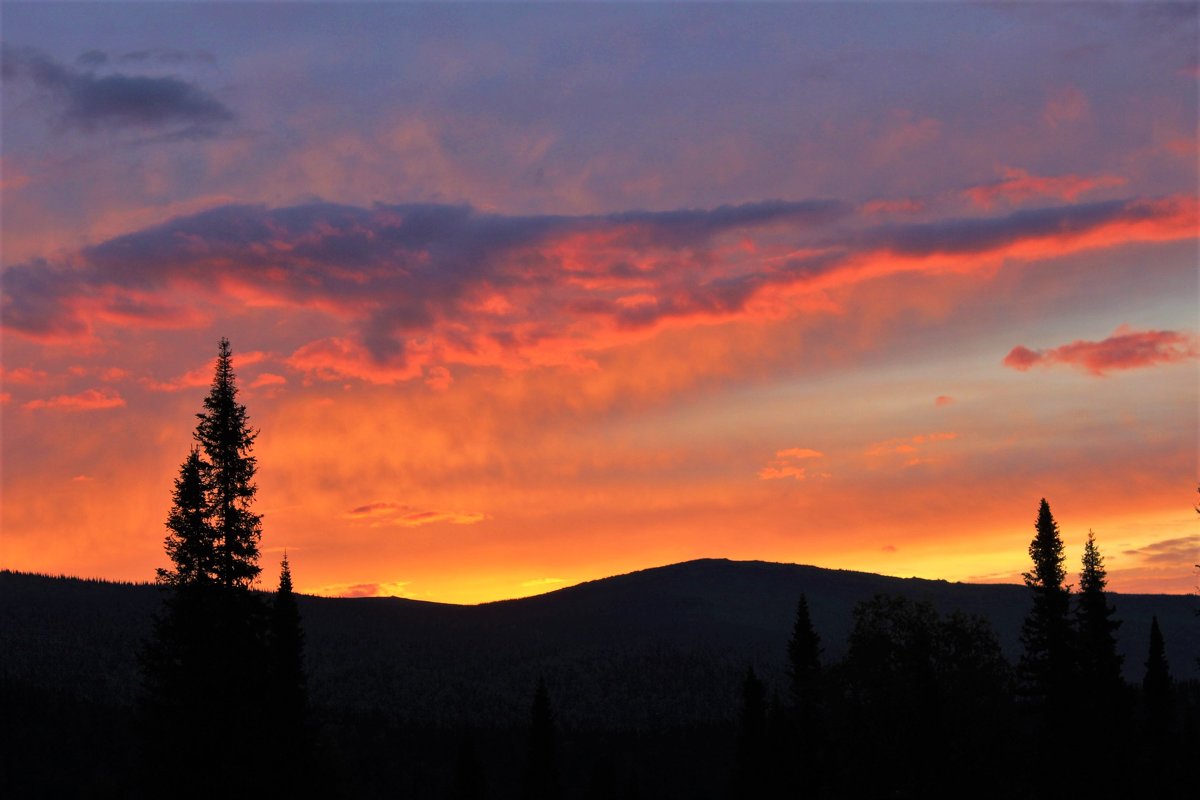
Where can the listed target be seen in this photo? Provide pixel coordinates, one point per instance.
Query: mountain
(657, 647)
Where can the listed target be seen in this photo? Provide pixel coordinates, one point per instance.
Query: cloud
(1183, 551)
(1065, 105)
(1125, 349)
(87, 400)
(943, 400)
(424, 286)
(784, 464)
(1017, 186)
(351, 590)
(540, 582)
(91, 101)
(27, 376)
(268, 379)
(909, 447)
(203, 375)
(378, 515)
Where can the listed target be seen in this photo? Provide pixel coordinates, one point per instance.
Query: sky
(525, 295)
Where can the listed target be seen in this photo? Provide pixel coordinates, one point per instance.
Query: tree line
(922, 705)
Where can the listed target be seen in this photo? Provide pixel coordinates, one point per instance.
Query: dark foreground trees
(221, 672)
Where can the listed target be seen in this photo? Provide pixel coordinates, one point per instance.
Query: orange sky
(510, 318)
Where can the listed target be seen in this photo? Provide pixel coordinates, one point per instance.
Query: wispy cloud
(203, 375)
(1182, 551)
(378, 515)
(912, 448)
(87, 400)
(1125, 349)
(1018, 185)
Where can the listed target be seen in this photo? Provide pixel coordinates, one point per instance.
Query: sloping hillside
(659, 646)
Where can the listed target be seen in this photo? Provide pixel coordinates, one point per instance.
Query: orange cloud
(784, 466)
(87, 400)
(1125, 349)
(1017, 185)
(395, 514)
(908, 446)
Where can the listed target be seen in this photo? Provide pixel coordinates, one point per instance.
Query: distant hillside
(657, 646)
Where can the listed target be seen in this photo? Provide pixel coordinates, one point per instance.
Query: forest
(708, 679)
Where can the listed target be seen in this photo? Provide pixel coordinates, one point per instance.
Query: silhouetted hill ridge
(657, 646)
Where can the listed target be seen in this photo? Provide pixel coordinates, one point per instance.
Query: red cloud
(87, 400)
(202, 375)
(268, 379)
(1017, 185)
(1125, 349)
(422, 287)
(22, 375)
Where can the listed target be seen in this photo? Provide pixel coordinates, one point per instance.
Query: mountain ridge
(664, 643)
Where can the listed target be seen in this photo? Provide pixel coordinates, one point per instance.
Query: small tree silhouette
(287, 687)
(750, 776)
(541, 772)
(1157, 686)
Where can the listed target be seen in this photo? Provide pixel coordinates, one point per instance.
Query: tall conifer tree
(1100, 665)
(205, 666)
(1046, 667)
(226, 438)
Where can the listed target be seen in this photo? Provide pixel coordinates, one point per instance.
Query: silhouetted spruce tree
(225, 435)
(1047, 665)
(541, 771)
(1099, 663)
(189, 541)
(804, 662)
(750, 776)
(205, 666)
(1161, 757)
(801, 764)
(288, 684)
(1157, 686)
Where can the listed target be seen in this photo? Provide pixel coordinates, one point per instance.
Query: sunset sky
(521, 296)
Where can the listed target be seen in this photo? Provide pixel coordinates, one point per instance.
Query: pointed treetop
(1046, 550)
(1093, 577)
(285, 575)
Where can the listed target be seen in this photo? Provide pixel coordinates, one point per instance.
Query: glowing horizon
(625, 291)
